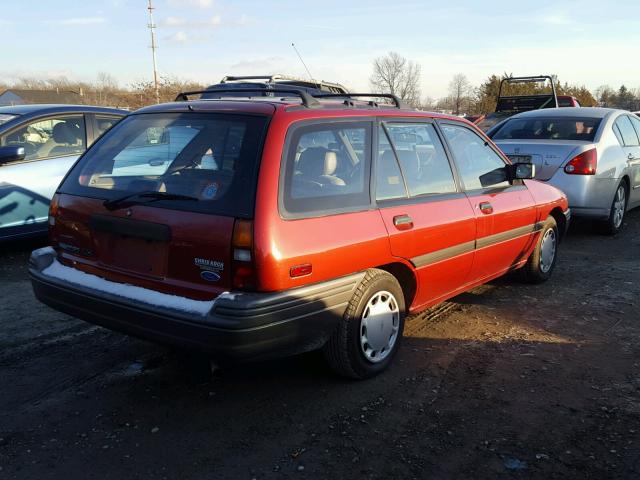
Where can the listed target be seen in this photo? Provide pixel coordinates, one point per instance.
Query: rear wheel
(542, 261)
(371, 329)
(614, 223)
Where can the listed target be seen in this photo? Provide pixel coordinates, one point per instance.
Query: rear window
(548, 129)
(212, 157)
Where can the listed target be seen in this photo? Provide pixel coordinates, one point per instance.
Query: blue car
(38, 146)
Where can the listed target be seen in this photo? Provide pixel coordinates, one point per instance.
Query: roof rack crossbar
(307, 100)
(399, 103)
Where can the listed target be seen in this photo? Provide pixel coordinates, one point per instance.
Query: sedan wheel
(614, 223)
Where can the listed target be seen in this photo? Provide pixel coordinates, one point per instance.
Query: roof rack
(288, 79)
(307, 100)
(399, 103)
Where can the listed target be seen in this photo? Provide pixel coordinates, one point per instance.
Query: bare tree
(392, 73)
(459, 91)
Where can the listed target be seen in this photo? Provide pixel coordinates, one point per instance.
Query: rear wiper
(141, 198)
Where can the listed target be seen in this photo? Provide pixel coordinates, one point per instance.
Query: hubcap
(379, 326)
(619, 204)
(547, 250)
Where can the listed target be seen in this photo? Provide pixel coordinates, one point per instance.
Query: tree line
(105, 90)
(394, 74)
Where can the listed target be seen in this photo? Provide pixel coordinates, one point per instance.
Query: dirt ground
(507, 381)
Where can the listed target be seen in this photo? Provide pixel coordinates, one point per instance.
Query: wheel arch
(405, 277)
(561, 220)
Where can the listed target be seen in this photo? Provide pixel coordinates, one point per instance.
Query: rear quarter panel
(335, 245)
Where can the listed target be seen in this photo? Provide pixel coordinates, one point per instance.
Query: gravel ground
(507, 381)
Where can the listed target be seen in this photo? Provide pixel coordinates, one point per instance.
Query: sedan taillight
(583, 164)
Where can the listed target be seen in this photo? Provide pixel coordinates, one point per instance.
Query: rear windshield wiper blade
(143, 197)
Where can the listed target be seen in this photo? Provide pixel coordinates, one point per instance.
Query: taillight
(243, 271)
(583, 164)
(54, 207)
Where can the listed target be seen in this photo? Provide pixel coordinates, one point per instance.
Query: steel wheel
(379, 326)
(619, 205)
(548, 247)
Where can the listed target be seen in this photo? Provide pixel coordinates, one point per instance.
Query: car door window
(389, 181)
(475, 159)
(104, 123)
(422, 158)
(627, 132)
(636, 124)
(51, 137)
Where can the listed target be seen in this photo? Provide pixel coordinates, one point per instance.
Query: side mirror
(12, 153)
(521, 171)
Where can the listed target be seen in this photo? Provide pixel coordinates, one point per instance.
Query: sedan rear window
(548, 128)
(210, 157)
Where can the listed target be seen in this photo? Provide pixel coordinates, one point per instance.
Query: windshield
(210, 157)
(549, 128)
(4, 118)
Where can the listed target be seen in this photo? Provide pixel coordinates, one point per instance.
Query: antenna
(152, 27)
(304, 64)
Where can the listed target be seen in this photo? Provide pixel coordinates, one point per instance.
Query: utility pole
(152, 27)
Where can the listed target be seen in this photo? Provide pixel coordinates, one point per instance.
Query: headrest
(64, 132)
(317, 161)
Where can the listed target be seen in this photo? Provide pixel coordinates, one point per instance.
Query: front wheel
(542, 260)
(369, 334)
(614, 223)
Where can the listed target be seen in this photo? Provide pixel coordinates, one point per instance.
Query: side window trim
(475, 191)
(624, 143)
(282, 175)
(454, 169)
(43, 119)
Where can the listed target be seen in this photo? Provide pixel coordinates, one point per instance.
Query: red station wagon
(257, 227)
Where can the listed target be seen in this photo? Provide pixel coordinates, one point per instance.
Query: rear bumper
(588, 195)
(244, 326)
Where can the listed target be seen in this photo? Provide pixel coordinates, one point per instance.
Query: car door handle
(486, 208)
(403, 222)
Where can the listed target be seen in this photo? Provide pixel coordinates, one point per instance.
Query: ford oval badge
(209, 276)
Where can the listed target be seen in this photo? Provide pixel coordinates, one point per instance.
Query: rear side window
(548, 129)
(421, 157)
(104, 123)
(210, 157)
(51, 137)
(327, 168)
(629, 137)
(475, 158)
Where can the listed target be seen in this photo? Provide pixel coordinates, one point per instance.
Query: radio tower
(152, 27)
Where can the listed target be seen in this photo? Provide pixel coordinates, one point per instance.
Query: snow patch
(131, 292)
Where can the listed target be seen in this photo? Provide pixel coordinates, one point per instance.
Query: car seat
(318, 164)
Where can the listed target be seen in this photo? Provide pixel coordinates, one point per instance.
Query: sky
(586, 42)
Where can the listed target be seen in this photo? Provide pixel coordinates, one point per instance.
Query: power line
(154, 46)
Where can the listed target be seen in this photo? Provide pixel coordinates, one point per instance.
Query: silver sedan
(592, 154)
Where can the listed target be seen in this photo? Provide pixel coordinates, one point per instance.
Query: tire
(542, 260)
(364, 343)
(614, 223)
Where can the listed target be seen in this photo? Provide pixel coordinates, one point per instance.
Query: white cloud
(81, 21)
(178, 37)
(181, 22)
(191, 3)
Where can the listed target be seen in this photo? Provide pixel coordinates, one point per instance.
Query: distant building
(15, 96)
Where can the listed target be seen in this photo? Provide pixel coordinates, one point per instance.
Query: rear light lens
(54, 210)
(243, 269)
(585, 163)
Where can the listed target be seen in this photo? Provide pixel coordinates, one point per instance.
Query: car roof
(55, 108)
(593, 112)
